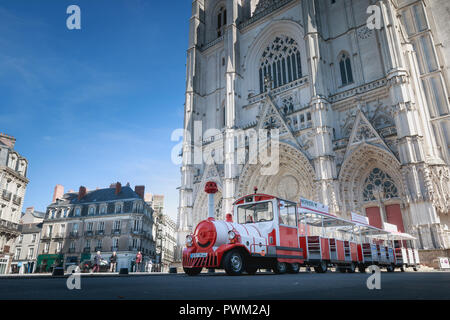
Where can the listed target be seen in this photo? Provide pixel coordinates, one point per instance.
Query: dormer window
(103, 210)
(77, 212)
(118, 208)
(221, 21)
(91, 211)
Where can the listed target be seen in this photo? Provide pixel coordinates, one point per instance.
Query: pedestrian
(113, 262)
(150, 265)
(97, 260)
(138, 261)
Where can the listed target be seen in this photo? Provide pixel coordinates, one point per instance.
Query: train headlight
(189, 241)
(231, 235)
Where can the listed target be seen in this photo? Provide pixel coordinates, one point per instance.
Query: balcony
(71, 250)
(89, 233)
(87, 250)
(98, 249)
(137, 232)
(116, 232)
(17, 200)
(74, 234)
(114, 249)
(8, 225)
(136, 249)
(100, 232)
(58, 236)
(46, 237)
(6, 195)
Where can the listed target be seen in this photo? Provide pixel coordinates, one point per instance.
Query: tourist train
(267, 232)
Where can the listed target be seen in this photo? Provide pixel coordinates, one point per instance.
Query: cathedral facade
(358, 90)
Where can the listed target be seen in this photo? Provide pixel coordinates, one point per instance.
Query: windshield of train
(255, 212)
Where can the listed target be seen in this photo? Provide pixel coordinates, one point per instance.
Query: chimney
(29, 210)
(58, 192)
(7, 140)
(140, 190)
(118, 188)
(148, 197)
(82, 192)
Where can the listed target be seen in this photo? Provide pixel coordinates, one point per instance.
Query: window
(287, 213)
(72, 246)
(75, 227)
(66, 212)
(101, 226)
(118, 208)
(91, 210)
(346, 69)
(379, 179)
(53, 214)
(90, 226)
(77, 212)
(221, 21)
(21, 238)
(30, 253)
(256, 212)
(58, 246)
(115, 243)
(49, 231)
(280, 62)
(33, 238)
(17, 255)
(116, 225)
(103, 210)
(62, 230)
(88, 244)
(46, 247)
(99, 244)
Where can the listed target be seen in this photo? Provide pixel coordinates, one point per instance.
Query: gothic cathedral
(362, 110)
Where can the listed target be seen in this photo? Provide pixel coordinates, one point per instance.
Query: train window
(287, 213)
(256, 212)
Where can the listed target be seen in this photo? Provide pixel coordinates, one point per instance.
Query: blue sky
(97, 105)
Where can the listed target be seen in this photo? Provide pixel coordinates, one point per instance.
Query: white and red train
(266, 232)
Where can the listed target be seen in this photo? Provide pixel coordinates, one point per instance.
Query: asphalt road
(408, 285)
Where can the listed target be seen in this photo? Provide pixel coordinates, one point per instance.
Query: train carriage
(267, 232)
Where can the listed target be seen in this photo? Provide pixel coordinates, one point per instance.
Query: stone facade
(363, 114)
(27, 244)
(13, 184)
(113, 219)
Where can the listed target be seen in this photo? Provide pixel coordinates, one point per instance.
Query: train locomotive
(267, 232)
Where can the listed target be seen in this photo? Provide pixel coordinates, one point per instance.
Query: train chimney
(211, 190)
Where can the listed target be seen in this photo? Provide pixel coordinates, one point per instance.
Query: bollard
(173, 270)
(123, 271)
(58, 272)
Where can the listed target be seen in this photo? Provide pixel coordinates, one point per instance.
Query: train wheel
(402, 269)
(233, 263)
(293, 268)
(390, 268)
(352, 268)
(415, 268)
(362, 268)
(322, 267)
(251, 270)
(192, 271)
(280, 268)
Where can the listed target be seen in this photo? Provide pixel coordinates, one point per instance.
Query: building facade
(13, 183)
(166, 242)
(362, 112)
(27, 243)
(113, 219)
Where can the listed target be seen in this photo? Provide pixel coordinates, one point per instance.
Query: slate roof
(100, 195)
(30, 228)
